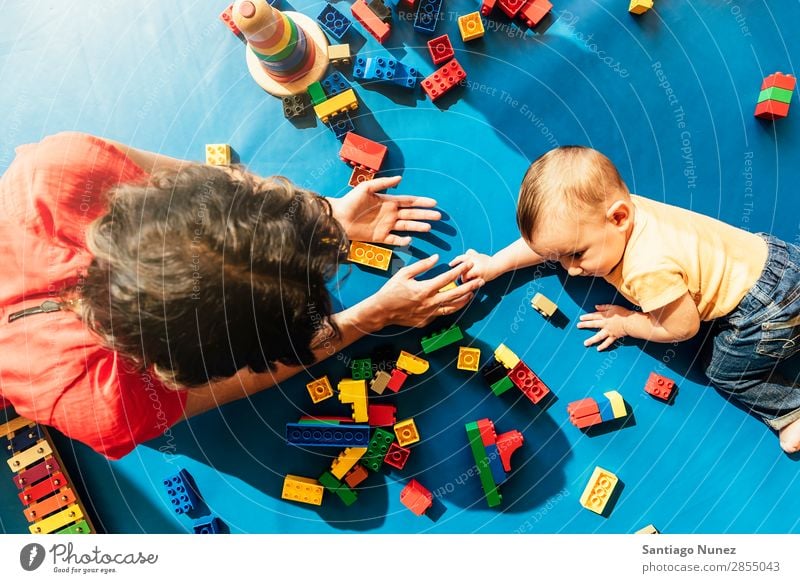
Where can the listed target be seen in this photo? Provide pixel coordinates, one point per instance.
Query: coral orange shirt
(53, 369)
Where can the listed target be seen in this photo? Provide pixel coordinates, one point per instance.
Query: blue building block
(334, 84)
(181, 492)
(405, 75)
(340, 436)
(427, 16)
(606, 412)
(496, 464)
(336, 23)
(381, 69)
(207, 525)
(341, 124)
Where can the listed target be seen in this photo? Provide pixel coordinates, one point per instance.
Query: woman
(140, 289)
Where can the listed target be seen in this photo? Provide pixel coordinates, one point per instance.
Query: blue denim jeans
(761, 332)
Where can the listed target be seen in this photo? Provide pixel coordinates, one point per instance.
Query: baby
(680, 267)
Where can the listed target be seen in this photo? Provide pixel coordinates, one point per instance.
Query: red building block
(441, 49)
(355, 476)
(488, 432)
(416, 497)
(370, 21)
(772, 110)
(660, 387)
(528, 383)
(584, 413)
(443, 80)
(507, 444)
(381, 415)
(410, 3)
(397, 380)
(360, 175)
(359, 151)
(534, 11)
(511, 7)
(227, 17)
(486, 6)
(779, 80)
(397, 456)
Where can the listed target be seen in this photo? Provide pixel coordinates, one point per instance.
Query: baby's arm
(515, 256)
(677, 321)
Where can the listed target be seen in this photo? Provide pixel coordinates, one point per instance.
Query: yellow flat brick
(411, 364)
(543, 305)
(406, 432)
(345, 101)
(449, 286)
(339, 54)
(470, 26)
(505, 356)
(369, 255)
(346, 460)
(300, 489)
(320, 389)
(355, 392)
(218, 154)
(599, 489)
(468, 358)
(617, 404)
(640, 6)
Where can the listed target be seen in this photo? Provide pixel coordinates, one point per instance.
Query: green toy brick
(317, 93)
(331, 484)
(376, 451)
(502, 386)
(441, 339)
(775, 94)
(361, 369)
(493, 496)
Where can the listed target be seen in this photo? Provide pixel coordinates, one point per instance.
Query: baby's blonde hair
(569, 178)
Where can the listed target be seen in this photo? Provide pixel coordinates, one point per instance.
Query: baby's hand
(481, 266)
(609, 320)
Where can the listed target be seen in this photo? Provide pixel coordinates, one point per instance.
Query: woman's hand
(370, 216)
(404, 301)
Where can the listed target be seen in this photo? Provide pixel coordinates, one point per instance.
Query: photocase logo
(31, 556)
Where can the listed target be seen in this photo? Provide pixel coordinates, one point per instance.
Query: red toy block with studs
(416, 497)
(441, 49)
(397, 456)
(227, 17)
(528, 383)
(370, 21)
(381, 415)
(511, 7)
(443, 80)
(507, 444)
(360, 151)
(660, 387)
(396, 382)
(534, 11)
(584, 413)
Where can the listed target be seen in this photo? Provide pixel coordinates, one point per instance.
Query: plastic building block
(534, 11)
(528, 383)
(493, 371)
(443, 80)
(502, 386)
(369, 255)
(411, 364)
(181, 494)
(543, 305)
(405, 75)
(341, 490)
(427, 16)
(779, 80)
(606, 410)
(359, 151)
(339, 54)
(333, 21)
(487, 6)
(396, 380)
(207, 525)
(381, 380)
(640, 6)
(584, 413)
(416, 497)
(316, 93)
(355, 476)
(346, 460)
(649, 529)
(617, 404)
(499, 475)
(468, 358)
(406, 432)
(355, 392)
(227, 18)
(510, 7)
(334, 84)
(377, 450)
(772, 110)
(359, 175)
(361, 368)
(397, 456)
(492, 494)
(370, 21)
(370, 68)
(449, 286)
(505, 356)
(598, 491)
(341, 124)
(305, 435)
(441, 339)
(470, 26)
(507, 443)
(382, 415)
(487, 432)
(441, 49)
(320, 389)
(295, 105)
(660, 387)
(342, 103)
(380, 10)
(218, 154)
(775, 94)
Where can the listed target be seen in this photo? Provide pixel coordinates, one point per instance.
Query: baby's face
(587, 245)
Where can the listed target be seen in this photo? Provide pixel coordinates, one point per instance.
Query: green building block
(361, 369)
(343, 491)
(441, 339)
(317, 93)
(376, 451)
(502, 386)
(493, 496)
(775, 94)
(81, 527)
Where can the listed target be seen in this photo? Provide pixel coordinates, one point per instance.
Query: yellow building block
(355, 392)
(56, 521)
(320, 389)
(599, 489)
(468, 358)
(506, 357)
(543, 305)
(406, 432)
(346, 460)
(649, 529)
(471, 26)
(640, 6)
(369, 255)
(300, 489)
(218, 154)
(341, 103)
(378, 384)
(33, 454)
(617, 404)
(411, 364)
(339, 54)
(449, 286)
